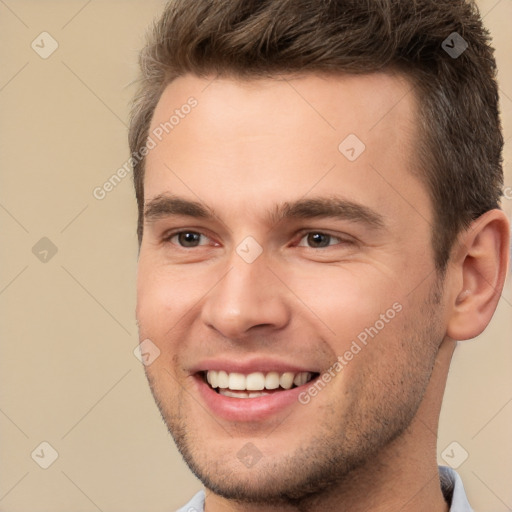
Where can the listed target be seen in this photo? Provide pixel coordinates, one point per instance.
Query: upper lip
(249, 366)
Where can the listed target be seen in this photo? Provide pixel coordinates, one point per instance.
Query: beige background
(68, 373)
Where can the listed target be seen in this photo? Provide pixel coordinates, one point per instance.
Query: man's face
(275, 247)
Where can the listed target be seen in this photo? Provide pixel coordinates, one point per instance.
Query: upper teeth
(255, 381)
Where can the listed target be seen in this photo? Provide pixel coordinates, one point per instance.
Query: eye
(318, 240)
(188, 239)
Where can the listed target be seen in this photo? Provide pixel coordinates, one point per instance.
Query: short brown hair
(460, 150)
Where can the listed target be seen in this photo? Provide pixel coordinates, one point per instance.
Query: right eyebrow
(324, 207)
(165, 205)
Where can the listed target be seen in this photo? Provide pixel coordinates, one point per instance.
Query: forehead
(279, 138)
(380, 97)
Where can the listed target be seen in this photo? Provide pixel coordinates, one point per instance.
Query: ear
(478, 269)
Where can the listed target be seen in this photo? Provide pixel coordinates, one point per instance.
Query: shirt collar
(453, 490)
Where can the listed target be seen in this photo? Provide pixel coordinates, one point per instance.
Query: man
(318, 187)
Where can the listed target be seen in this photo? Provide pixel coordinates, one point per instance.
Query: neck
(402, 476)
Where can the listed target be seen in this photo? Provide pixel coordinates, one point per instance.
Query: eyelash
(306, 234)
(168, 238)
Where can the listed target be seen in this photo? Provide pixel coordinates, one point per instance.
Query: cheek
(165, 305)
(164, 296)
(347, 301)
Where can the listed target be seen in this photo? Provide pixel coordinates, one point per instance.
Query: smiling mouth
(254, 385)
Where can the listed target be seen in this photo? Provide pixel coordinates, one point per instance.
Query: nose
(248, 299)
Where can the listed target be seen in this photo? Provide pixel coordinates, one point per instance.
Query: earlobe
(478, 267)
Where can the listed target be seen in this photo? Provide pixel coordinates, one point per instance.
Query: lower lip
(248, 409)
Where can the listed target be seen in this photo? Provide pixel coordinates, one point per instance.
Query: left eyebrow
(333, 207)
(166, 205)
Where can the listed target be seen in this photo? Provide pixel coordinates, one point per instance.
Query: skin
(367, 441)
